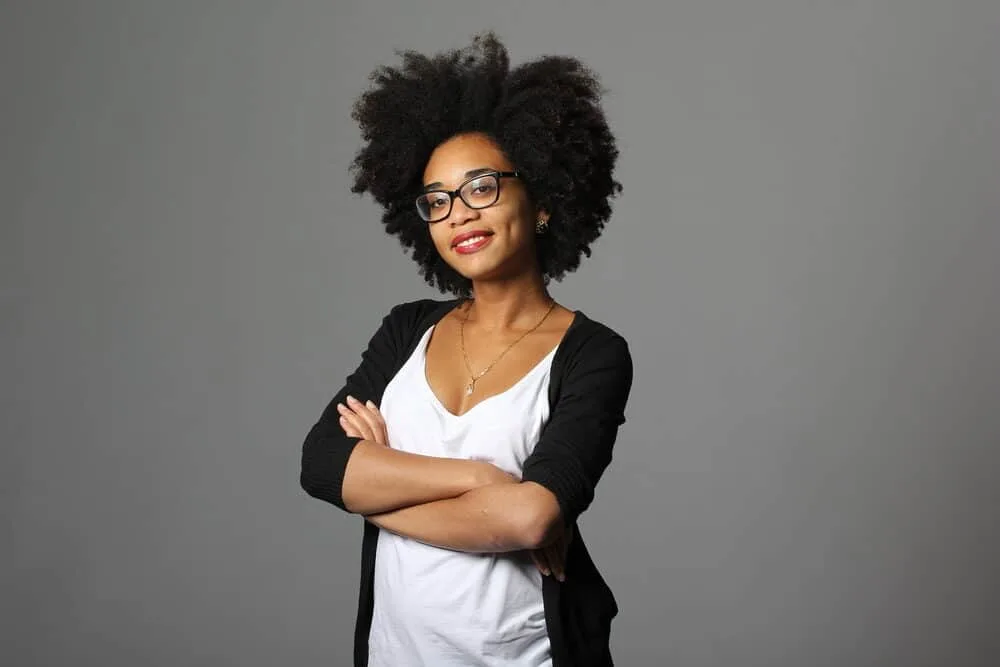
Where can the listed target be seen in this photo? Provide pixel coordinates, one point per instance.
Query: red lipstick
(471, 242)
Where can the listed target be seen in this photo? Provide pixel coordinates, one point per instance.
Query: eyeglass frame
(457, 193)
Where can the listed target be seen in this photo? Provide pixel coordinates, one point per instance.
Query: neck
(509, 304)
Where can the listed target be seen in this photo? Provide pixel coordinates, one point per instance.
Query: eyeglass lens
(480, 192)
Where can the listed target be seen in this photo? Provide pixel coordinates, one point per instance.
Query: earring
(541, 225)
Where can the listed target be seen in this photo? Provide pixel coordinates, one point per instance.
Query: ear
(542, 222)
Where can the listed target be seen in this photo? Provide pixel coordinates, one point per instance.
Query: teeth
(471, 241)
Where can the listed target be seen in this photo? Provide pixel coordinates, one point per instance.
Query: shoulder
(592, 358)
(411, 314)
(587, 339)
(412, 318)
(592, 370)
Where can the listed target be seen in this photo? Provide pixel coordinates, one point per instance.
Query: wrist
(488, 474)
(478, 474)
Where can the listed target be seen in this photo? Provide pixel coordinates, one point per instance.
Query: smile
(472, 242)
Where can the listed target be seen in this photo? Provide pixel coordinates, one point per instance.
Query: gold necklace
(473, 377)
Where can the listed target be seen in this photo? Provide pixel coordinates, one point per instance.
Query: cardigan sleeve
(575, 446)
(327, 449)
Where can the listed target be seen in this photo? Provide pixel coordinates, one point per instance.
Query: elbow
(321, 488)
(311, 485)
(533, 538)
(309, 471)
(538, 523)
(307, 483)
(309, 474)
(322, 470)
(538, 531)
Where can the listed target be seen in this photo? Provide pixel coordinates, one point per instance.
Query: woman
(473, 433)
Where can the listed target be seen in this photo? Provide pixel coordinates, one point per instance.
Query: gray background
(804, 262)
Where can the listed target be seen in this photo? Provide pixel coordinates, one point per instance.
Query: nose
(461, 213)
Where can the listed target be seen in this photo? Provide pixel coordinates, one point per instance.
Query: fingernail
(340, 406)
(351, 399)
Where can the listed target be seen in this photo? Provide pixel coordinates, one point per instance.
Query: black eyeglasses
(478, 192)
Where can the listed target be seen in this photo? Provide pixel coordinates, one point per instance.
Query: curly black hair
(544, 115)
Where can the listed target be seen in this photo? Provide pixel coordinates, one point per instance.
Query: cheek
(523, 222)
(439, 238)
(523, 228)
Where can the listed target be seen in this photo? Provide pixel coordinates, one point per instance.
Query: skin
(492, 511)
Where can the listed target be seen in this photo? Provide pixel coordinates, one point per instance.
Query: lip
(468, 235)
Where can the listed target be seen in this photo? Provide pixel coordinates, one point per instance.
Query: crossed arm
(471, 505)
(455, 504)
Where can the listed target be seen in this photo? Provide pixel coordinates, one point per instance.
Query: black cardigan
(588, 388)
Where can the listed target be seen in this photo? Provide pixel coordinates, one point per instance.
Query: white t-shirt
(440, 608)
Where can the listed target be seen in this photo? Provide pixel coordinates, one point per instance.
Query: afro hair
(544, 115)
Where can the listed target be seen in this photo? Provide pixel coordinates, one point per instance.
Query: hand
(551, 559)
(363, 420)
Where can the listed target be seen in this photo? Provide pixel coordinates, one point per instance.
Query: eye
(483, 187)
(437, 201)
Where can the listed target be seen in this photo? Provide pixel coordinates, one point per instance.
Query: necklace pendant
(469, 388)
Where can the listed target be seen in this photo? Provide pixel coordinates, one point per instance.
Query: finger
(374, 423)
(377, 414)
(356, 422)
(557, 561)
(365, 413)
(559, 550)
(371, 414)
(538, 556)
(349, 430)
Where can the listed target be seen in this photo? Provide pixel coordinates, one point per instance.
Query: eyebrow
(436, 185)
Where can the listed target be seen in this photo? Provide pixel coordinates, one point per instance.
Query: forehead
(450, 161)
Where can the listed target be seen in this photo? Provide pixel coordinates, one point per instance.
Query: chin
(493, 272)
(476, 274)
(487, 265)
